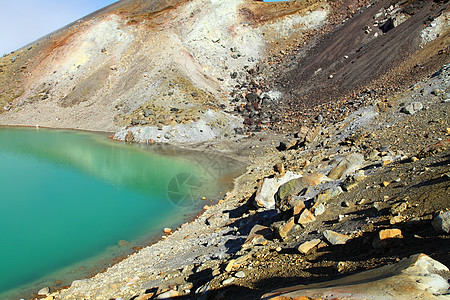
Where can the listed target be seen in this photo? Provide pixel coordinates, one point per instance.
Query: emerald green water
(68, 198)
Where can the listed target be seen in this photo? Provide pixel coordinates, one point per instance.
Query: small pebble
(240, 274)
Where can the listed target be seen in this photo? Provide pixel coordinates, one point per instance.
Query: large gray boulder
(442, 222)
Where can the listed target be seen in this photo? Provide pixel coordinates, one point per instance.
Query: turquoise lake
(71, 202)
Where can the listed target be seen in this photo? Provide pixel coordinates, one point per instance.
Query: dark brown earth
(374, 67)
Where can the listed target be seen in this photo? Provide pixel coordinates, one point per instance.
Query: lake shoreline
(142, 241)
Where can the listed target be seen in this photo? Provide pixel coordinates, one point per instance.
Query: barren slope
(148, 63)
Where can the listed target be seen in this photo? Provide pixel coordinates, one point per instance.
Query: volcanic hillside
(190, 71)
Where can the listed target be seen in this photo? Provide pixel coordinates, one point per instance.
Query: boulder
(335, 238)
(327, 194)
(381, 240)
(281, 228)
(319, 209)
(307, 246)
(442, 222)
(253, 98)
(228, 281)
(389, 234)
(412, 108)
(348, 165)
(306, 217)
(352, 181)
(312, 134)
(284, 202)
(265, 193)
(257, 236)
(418, 276)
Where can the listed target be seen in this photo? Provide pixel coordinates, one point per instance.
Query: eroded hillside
(148, 63)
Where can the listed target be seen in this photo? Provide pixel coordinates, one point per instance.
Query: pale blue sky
(24, 21)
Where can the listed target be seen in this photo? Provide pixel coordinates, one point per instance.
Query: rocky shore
(323, 203)
(339, 108)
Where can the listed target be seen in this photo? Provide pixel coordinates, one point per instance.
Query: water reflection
(69, 196)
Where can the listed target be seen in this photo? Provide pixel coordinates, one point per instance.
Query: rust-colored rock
(282, 228)
(307, 246)
(389, 234)
(306, 217)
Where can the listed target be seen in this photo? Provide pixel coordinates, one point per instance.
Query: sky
(24, 21)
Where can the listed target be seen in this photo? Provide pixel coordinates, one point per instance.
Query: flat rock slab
(307, 246)
(417, 277)
(335, 238)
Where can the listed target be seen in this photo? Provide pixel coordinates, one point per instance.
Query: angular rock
(306, 217)
(282, 229)
(396, 219)
(298, 208)
(302, 132)
(145, 296)
(441, 222)
(388, 159)
(335, 238)
(257, 236)
(230, 265)
(411, 277)
(287, 145)
(412, 108)
(326, 195)
(389, 234)
(284, 202)
(348, 165)
(384, 235)
(280, 169)
(352, 181)
(315, 179)
(312, 134)
(307, 246)
(265, 193)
